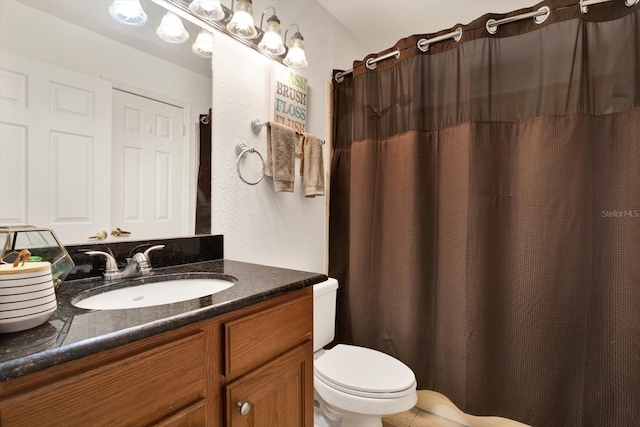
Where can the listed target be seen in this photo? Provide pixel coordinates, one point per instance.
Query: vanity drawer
(260, 337)
(193, 416)
(137, 390)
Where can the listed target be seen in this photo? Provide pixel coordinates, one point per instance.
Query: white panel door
(55, 148)
(149, 182)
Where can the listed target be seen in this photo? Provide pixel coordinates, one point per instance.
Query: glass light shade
(203, 46)
(241, 23)
(296, 57)
(272, 40)
(128, 12)
(210, 9)
(172, 30)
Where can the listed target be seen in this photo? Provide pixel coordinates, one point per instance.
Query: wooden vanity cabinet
(260, 356)
(272, 378)
(275, 393)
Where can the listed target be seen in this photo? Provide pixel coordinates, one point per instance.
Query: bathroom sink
(153, 291)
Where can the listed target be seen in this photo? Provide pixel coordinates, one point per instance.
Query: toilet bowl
(354, 386)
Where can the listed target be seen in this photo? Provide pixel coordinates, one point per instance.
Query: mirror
(63, 162)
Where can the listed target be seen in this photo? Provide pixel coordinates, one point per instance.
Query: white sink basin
(152, 294)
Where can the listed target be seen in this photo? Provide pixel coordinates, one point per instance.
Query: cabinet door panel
(134, 391)
(193, 416)
(280, 392)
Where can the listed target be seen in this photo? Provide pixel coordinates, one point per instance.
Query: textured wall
(260, 226)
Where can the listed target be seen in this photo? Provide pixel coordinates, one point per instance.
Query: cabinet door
(279, 394)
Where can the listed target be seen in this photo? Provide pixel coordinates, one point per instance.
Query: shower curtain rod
(539, 16)
(371, 64)
(423, 44)
(584, 4)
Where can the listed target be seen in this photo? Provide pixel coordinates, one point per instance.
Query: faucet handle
(152, 248)
(144, 263)
(110, 266)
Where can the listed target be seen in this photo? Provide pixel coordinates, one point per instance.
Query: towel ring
(241, 151)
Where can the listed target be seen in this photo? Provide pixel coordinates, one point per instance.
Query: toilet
(353, 386)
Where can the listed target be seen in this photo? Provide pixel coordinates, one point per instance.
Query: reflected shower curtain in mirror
(485, 215)
(203, 194)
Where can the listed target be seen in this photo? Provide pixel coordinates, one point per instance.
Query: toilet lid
(359, 369)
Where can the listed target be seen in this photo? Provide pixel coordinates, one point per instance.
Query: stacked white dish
(27, 296)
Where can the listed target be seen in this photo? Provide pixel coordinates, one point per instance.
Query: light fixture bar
(185, 15)
(181, 8)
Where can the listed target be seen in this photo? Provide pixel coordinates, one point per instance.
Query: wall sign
(289, 98)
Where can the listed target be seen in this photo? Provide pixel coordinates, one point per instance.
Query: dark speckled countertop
(72, 333)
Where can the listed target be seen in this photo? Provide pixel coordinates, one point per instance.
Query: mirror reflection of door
(57, 172)
(55, 148)
(148, 197)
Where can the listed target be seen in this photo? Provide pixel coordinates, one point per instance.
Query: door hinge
(184, 130)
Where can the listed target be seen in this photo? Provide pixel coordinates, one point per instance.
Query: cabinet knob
(244, 408)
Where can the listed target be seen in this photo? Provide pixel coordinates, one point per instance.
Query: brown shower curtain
(485, 215)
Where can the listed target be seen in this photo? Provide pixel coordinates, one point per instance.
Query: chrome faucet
(138, 265)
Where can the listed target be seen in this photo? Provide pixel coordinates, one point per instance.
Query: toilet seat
(364, 372)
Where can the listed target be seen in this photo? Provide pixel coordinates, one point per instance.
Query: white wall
(260, 226)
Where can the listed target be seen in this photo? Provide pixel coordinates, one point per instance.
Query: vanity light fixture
(271, 42)
(209, 9)
(203, 46)
(128, 12)
(236, 22)
(171, 29)
(241, 23)
(296, 57)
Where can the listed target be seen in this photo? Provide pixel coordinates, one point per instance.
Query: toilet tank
(324, 313)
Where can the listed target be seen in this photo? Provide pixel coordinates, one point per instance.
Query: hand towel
(280, 164)
(311, 166)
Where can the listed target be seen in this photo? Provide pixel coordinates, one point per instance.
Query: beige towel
(280, 164)
(311, 166)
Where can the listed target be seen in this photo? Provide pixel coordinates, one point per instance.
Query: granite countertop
(72, 333)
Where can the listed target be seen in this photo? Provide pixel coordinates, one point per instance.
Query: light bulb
(128, 12)
(210, 9)
(271, 42)
(296, 57)
(203, 46)
(241, 23)
(172, 30)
